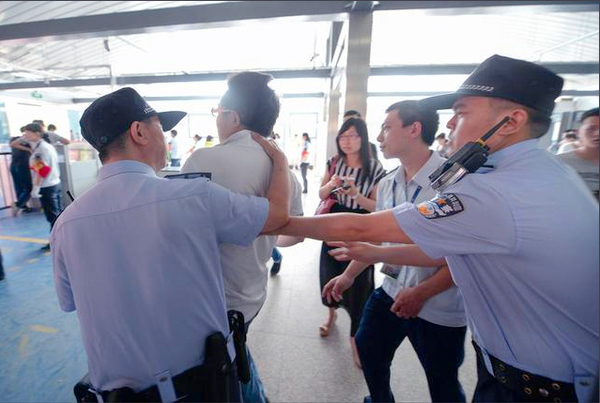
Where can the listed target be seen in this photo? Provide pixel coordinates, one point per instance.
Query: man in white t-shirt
(249, 105)
(585, 158)
(175, 150)
(46, 174)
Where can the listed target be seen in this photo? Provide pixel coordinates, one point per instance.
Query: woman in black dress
(352, 175)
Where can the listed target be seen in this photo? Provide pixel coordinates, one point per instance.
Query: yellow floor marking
(43, 329)
(23, 345)
(21, 239)
(32, 260)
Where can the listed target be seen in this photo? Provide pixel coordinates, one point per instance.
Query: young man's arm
(374, 227)
(399, 255)
(409, 301)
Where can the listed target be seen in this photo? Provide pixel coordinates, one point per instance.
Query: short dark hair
(589, 113)
(34, 127)
(254, 101)
(365, 147)
(22, 129)
(539, 122)
(352, 112)
(39, 122)
(413, 111)
(51, 127)
(174, 132)
(441, 136)
(117, 144)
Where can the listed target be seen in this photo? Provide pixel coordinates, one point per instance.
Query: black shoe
(367, 399)
(1, 276)
(304, 191)
(46, 247)
(28, 210)
(275, 268)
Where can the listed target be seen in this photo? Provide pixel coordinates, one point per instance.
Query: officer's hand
(271, 148)
(334, 289)
(362, 251)
(408, 303)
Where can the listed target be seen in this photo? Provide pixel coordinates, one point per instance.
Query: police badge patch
(445, 205)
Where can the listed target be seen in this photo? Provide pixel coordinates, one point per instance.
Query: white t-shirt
(240, 164)
(46, 154)
(175, 153)
(588, 171)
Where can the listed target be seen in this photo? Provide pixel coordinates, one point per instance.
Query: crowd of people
(502, 250)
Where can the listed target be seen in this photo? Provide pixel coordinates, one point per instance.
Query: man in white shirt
(585, 158)
(239, 164)
(175, 150)
(46, 174)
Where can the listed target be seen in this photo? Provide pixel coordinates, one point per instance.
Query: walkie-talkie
(468, 159)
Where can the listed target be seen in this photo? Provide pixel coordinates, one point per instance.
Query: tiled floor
(41, 355)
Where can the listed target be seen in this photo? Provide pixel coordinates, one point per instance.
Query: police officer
(137, 255)
(520, 237)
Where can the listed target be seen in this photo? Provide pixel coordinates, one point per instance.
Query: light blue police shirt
(522, 244)
(138, 257)
(445, 308)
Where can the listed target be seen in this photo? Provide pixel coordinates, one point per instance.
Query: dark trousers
(22, 180)
(303, 170)
(440, 350)
(50, 198)
(175, 162)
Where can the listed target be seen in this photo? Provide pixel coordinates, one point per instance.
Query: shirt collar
(504, 154)
(124, 166)
(422, 176)
(238, 136)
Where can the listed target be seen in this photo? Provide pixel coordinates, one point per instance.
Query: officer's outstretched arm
(374, 227)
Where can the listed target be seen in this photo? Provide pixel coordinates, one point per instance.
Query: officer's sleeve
(458, 223)
(296, 196)
(61, 282)
(237, 218)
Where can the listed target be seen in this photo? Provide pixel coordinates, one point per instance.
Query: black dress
(355, 298)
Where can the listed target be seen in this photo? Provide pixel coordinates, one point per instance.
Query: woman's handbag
(325, 205)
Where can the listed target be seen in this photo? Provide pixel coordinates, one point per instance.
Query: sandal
(325, 327)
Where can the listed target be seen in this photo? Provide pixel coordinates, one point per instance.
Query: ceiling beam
(489, 7)
(174, 18)
(155, 79)
(202, 98)
(423, 94)
(445, 69)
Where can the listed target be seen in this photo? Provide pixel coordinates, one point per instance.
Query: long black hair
(365, 155)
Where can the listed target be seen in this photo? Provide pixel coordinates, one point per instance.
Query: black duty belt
(185, 383)
(527, 386)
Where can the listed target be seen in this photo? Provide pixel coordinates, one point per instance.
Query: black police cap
(112, 114)
(519, 81)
